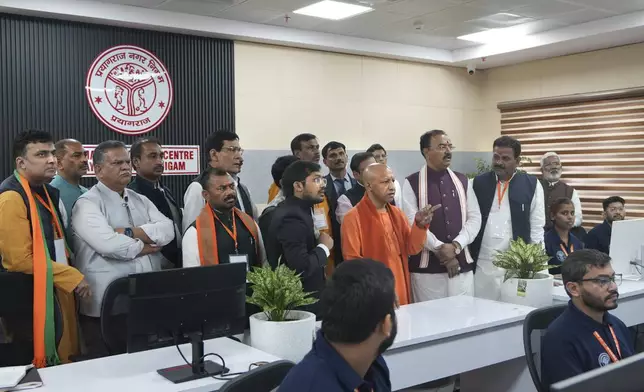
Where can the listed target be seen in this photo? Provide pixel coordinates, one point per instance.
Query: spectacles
(320, 180)
(604, 281)
(445, 147)
(234, 150)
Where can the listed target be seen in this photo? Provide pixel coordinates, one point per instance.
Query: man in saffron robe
(375, 229)
(32, 241)
(222, 233)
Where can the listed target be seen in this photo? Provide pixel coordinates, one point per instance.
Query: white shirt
(498, 230)
(576, 202)
(191, 257)
(102, 254)
(468, 232)
(193, 203)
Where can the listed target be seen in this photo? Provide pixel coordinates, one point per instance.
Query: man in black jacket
(147, 159)
(292, 227)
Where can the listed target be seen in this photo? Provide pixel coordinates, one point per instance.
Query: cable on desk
(223, 363)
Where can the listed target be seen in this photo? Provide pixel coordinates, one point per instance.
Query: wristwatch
(130, 233)
(457, 248)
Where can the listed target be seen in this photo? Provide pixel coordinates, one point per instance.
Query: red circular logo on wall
(129, 90)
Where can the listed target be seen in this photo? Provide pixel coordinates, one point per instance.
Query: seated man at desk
(117, 232)
(222, 233)
(585, 336)
(358, 325)
(599, 237)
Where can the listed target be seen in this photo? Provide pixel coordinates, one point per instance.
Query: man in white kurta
(512, 206)
(116, 232)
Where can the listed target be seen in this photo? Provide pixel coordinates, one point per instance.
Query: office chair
(17, 314)
(264, 378)
(538, 320)
(114, 310)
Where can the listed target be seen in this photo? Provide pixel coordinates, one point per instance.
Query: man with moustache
(222, 233)
(117, 232)
(585, 336)
(599, 237)
(72, 166)
(380, 155)
(512, 206)
(304, 146)
(553, 188)
(32, 241)
(292, 230)
(147, 159)
(359, 162)
(375, 229)
(223, 152)
(338, 182)
(358, 309)
(445, 267)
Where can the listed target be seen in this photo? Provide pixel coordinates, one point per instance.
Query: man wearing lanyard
(585, 336)
(222, 233)
(512, 207)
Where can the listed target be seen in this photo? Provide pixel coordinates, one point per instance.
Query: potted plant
(526, 281)
(279, 329)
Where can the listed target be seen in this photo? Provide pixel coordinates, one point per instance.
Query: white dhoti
(426, 287)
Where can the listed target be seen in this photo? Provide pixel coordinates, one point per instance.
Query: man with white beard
(554, 189)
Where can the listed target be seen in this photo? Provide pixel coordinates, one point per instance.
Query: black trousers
(91, 337)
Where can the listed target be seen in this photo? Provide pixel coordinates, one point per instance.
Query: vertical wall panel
(44, 63)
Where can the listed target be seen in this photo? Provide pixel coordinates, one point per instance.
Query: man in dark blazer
(338, 182)
(292, 228)
(147, 159)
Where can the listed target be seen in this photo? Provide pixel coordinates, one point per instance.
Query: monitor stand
(198, 369)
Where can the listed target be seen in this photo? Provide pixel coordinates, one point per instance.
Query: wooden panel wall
(600, 141)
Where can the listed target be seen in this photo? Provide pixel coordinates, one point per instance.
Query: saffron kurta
(16, 251)
(384, 236)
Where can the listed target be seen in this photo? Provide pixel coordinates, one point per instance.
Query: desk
(630, 304)
(480, 339)
(137, 372)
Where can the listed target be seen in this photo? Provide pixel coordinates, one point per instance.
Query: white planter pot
(536, 293)
(290, 340)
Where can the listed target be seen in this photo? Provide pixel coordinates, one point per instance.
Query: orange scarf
(45, 352)
(207, 234)
(374, 236)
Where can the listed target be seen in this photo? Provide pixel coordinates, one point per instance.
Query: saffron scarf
(207, 234)
(45, 353)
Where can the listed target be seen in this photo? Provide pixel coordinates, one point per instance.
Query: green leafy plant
(522, 261)
(483, 166)
(277, 291)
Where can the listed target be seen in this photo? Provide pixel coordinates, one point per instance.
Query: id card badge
(61, 255)
(319, 219)
(239, 259)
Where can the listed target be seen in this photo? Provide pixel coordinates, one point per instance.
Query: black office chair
(264, 378)
(538, 320)
(16, 309)
(116, 305)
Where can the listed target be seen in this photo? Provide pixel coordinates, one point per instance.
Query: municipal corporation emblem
(129, 90)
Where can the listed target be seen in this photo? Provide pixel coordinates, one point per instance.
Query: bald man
(72, 166)
(375, 229)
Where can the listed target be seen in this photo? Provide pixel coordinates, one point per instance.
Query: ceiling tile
(418, 7)
(547, 9)
(444, 18)
(616, 6)
(196, 7)
(457, 30)
(371, 21)
(138, 3)
(281, 5)
(500, 20)
(248, 12)
(296, 21)
(495, 6)
(582, 16)
(430, 41)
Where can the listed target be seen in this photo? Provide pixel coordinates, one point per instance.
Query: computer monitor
(626, 244)
(178, 306)
(623, 376)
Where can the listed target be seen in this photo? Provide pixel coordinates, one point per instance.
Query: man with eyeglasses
(554, 188)
(292, 230)
(444, 267)
(223, 152)
(599, 237)
(512, 207)
(585, 336)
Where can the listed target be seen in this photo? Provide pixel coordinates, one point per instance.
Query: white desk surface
(138, 371)
(627, 289)
(446, 317)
